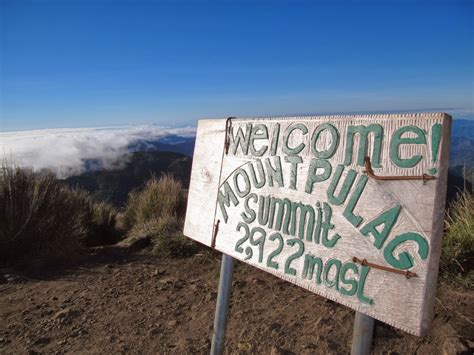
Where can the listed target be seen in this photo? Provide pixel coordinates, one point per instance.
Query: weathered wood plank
(204, 184)
(260, 218)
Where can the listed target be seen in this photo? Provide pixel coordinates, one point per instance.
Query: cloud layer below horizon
(65, 151)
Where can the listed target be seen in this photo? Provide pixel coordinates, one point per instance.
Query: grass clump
(457, 258)
(161, 197)
(103, 227)
(38, 216)
(157, 212)
(41, 218)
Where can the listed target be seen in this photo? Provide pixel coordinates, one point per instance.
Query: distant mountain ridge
(174, 154)
(171, 143)
(462, 143)
(115, 184)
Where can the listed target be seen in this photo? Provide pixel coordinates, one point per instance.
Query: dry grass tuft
(158, 212)
(457, 258)
(103, 226)
(161, 197)
(41, 218)
(38, 216)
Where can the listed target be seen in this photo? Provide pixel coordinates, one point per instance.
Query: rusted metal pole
(222, 306)
(362, 336)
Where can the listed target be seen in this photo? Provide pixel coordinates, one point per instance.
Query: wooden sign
(348, 207)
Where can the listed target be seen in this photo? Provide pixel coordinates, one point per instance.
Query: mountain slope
(114, 185)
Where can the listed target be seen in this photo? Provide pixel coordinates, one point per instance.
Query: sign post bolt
(362, 336)
(222, 306)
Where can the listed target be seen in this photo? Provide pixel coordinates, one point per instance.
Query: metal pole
(222, 307)
(362, 336)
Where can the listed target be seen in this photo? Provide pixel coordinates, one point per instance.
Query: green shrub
(457, 258)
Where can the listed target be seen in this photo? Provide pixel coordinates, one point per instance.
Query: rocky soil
(119, 301)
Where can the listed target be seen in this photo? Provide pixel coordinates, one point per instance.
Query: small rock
(154, 331)
(172, 323)
(275, 326)
(42, 341)
(65, 316)
(453, 346)
(239, 284)
(211, 296)
(275, 350)
(11, 278)
(257, 281)
(246, 347)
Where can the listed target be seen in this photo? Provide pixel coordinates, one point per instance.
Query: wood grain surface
(306, 223)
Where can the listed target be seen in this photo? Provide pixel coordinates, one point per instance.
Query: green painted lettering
(306, 216)
(363, 132)
(275, 139)
(313, 177)
(249, 215)
(346, 186)
(310, 261)
(240, 139)
(224, 199)
(288, 269)
(405, 260)
(351, 282)
(335, 282)
(351, 205)
(274, 173)
(388, 220)
(294, 160)
(246, 189)
(361, 286)
(326, 226)
(263, 209)
(282, 205)
(261, 173)
(293, 151)
(276, 252)
(259, 131)
(329, 152)
(397, 141)
(259, 241)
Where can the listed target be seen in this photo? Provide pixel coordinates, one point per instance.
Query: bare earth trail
(116, 301)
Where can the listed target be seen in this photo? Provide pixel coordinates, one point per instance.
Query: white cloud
(65, 150)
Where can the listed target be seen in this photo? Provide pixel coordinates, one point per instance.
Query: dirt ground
(118, 301)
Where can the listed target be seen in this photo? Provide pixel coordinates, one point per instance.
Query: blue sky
(92, 63)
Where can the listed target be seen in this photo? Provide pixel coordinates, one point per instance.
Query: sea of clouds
(66, 151)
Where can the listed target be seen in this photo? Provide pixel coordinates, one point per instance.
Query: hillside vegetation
(42, 219)
(457, 258)
(157, 214)
(114, 185)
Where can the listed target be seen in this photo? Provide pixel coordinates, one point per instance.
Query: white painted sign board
(348, 207)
